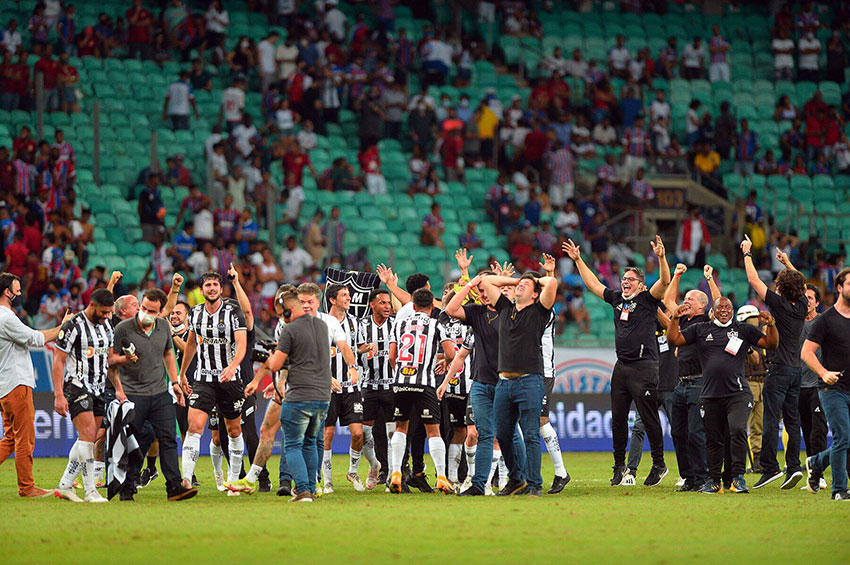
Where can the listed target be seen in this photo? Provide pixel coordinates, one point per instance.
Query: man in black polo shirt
(520, 390)
(781, 391)
(484, 321)
(831, 334)
(635, 375)
(726, 399)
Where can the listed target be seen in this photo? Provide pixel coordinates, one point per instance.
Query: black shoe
(767, 478)
(841, 495)
(195, 481)
(697, 487)
(791, 480)
(619, 473)
(512, 488)
(739, 485)
(559, 483)
(420, 482)
(534, 492)
(180, 492)
(727, 484)
(405, 489)
(285, 489)
(656, 475)
(383, 477)
(812, 477)
(148, 474)
(687, 487)
(265, 486)
(126, 497)
(472, 491)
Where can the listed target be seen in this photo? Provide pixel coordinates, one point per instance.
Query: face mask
(180, 328)
(146, 319)
(244, 44)
(719, 324)
(17, 300)
(464, 103)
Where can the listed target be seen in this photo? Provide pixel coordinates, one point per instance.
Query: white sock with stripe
(353, 460)
(369, 446)
(72, 469)
(217, 456)
(327, 467)
(253, 474)
(236, 447)
(85, 452)
(553, 446)
(494, 463)
(191, 451)
(396, 453)
(437, 448)
(470, 459)
(455, 453)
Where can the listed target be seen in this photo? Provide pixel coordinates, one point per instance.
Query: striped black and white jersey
(215, 336)
(339, 368)
(547, 344)
(87, 346)
(417, 340)
(377, 374)
(458, 332)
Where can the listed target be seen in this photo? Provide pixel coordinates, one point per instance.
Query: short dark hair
(791, 285)
(423, 298)
(6, 281)
(535, 280)
(210, 275)
(814, 289)
(102, 297)
(156, 295)
(184, 304)
(415, 282)
(376, 293)
(841, 276)
(332, 290)
(637, 271)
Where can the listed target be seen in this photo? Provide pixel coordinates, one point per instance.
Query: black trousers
(635, 381)
(721, 417)
(813, 421)
(158, 411)
(415, 444)
(688, 432)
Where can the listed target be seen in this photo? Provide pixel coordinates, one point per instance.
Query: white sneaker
(328, 488)
(372, 477)
(503, 483)
(354, 478)
(822, 483)
(680, 482)
(467, 483)
(232, 492)
(219, 481)
(628, 480)
(95, 497)
(488, 490)
(67, 494)
(319, 490)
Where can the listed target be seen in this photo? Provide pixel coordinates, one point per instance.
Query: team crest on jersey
(221, 326)
(732, 333)
(359, 286)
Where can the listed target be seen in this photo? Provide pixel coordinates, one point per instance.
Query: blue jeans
(781, 397)
(481, 398)
(520, 400)
(836, 405)
(284, 474)
(302, 423)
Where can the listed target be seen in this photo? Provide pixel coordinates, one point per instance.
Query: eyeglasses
(631, 279)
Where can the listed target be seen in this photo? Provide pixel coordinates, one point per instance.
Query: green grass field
(589, 522)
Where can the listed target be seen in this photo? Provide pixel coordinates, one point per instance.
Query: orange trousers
(19, 434)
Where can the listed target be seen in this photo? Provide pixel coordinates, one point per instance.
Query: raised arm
(752, 274)
(242, 298)
(463, 262)
(549, 291)
(173, 295)
(391, 281)
(708, 273)
(674, 336)
(455, 306)
(589, 279)
(672, 292)
(771, 337)
(782, 257)
(113, 280)
(660, 286)
(492, 285)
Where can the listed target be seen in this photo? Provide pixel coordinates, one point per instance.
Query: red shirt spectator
(540, 97)
(32, 238)
(451, 151)
(139, 21)
(370, 160)
(69, 74)
(7, 75)
(87, 44)
(21, 74)
(16, 257)
(294, 162)
(50, 68)
(814, 130)
(7, 171)
(558, 88)
(24, 143)
(535, 145)
(832, 132)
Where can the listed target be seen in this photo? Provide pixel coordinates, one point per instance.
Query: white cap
(746, 312)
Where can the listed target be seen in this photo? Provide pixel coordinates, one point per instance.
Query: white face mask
(719, 324)
(146, 319)
(180, 328)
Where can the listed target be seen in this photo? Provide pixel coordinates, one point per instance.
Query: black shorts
(248, 408)
(548, 387)
(459, 411)
(227, 397)
(80, 400)
(345, 406)
(407, 398)
(376, 400)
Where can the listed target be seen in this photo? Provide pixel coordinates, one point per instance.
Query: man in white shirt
(335, 21)
(808, 64)
(555, 62)
(178, 100)
(266, 51)
(10, 38)
(660, 108)
(619, 57)
(217, 174)
(693, 59)
(232, 103)
(285, 57)
(243, 133)
(17, 379)
(294, 261)
(204, 223)
(576, 67)
(783, 58)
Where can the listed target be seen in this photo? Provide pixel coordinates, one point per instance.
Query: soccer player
(726, 399)
(412, 356)
(375, 336)
(217, 333)
(347, 404)
(80, 362)
(635, 376)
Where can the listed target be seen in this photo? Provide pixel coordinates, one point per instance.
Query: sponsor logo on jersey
(213, 340)
(407, 371)
(358, 408)
(92, 351)
(333, 351)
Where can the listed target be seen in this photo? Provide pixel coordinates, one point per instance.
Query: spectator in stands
(576, 66)
(422, 125)
(246, 232)
(9, 97)
(768, 165)
(66, 28)
(718, 46)
(311, 237)
(226, 220)
(746, 146)
(842, 156)
(10, 37)
(820, 166)
(199, 78)
(604, 133)
(641, 189)
(333, 232)
(39, 29)
(836, 56)
(619, 58)
(808, 65)
(233, 103)
(49, 68)
(791, 139)
(67, 81)
(433, 227)
(87, 43)
(785, 110)
(668, 59)
(66, 271)
(217, 171)
(560, 168)
(140, 23)
(468, 239)
(693, 60)
(706, 160)
(294, 261)
(184, 242)
(394, 102)
(151, 208)
(266, 58)
(694, 241)
(783, 59)
(577, 310)
(814, 136)
(178, 100)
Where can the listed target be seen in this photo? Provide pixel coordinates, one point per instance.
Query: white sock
(455, 453)
(397, 444)
(236, 447)
(72, 469)
(503, 471)
(191, 450)
(327, 467)
(85, 454)
(217, 456)
(253, 474)
(470, 459)
(494, 463)
(353, 460)
(550, 438)
(99, 470)
(390, 427)
(437, 447)
(369, 447)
